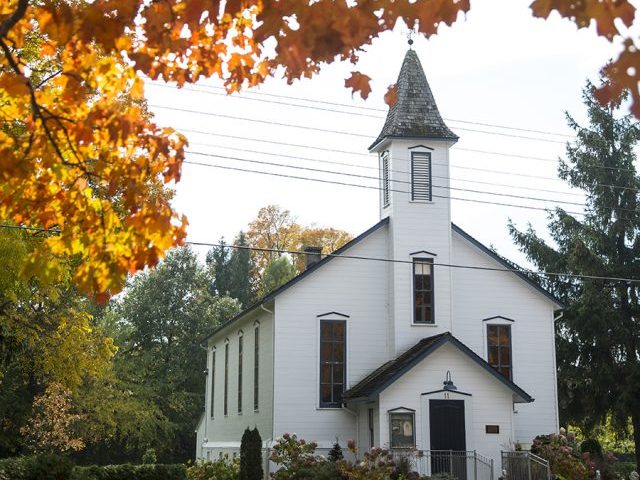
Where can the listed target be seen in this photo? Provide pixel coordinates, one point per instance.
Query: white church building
(414, 354)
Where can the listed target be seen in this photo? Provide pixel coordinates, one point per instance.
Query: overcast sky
(497, 66)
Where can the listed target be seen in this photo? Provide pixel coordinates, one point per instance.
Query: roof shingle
(415, 113)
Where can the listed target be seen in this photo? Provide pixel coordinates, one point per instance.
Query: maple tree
(80, 155)
(277, 229)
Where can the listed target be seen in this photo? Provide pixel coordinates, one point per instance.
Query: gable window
(384, 159)
(499, 349)
(332, 362)
(213, 381)
(421, 176)
(226, 379)
(256, 368)
(402, 429)
(423, 291)
(240, 342)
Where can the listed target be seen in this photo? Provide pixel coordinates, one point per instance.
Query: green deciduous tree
(278, 272)
(598, 338)
(162, 318)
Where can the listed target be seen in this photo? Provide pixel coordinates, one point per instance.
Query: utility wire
(305, 127)
(377, 169)
(334, 182)
(377, 259)
(355, 175)
(410, 262)
(475, 169)
(202, 88)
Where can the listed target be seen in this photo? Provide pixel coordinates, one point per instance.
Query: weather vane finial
(409, 38)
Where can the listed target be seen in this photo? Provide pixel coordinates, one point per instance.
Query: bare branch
(15, 17)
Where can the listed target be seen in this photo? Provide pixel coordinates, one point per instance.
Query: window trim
(332, 405)
(415, 155)
(413, 290)
(510, 330)
(402, 411)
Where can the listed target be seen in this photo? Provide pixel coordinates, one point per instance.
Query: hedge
(130, 472)
(52, 467)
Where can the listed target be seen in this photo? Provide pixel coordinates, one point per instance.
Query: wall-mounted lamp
(448, 383)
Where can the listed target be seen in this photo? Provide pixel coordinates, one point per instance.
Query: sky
(496, 66)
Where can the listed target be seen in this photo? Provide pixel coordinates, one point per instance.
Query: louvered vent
(421, 176)
(385, 179)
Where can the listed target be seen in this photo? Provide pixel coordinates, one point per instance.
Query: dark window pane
(505, 356)
(338, 352)
(325, 373)
(427, 282)
(337, 393)
(338, 374)
(503, 335)
(492, 335)
(427, 315)
(325, 330)
(338, 331)
(325, 352)
(325, 393)
(493, 356)
(418, 282)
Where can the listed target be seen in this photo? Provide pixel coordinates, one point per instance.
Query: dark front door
(448, 439)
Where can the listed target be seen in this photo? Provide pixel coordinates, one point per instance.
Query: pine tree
(335, 454)
(278, 272)
(251, 455)
(218, 262)
(240, 267)
(598, 338)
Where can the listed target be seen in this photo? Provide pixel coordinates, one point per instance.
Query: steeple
(415, 114)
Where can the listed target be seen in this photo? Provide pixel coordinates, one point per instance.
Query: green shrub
(149, 456)
(592, 447)
(130, 472)
(251, 456)
(335, 453)
(292, 455)
(222, 469)
(37, 467)
(320, 471)
(624, 469)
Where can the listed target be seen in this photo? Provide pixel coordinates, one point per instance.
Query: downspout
(206, 420)
(273, 386)
(555, 366)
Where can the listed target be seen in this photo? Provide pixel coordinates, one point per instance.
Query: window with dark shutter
(256, 369)
(421, 176)
(240, 345)
(499, 349)
(332, 362)
(226, 380)
(385, 179)
(213, 382)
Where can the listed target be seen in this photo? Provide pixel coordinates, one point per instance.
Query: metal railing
(461, 465)
(524, 465)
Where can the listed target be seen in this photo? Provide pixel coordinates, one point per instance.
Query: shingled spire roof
(415, 114)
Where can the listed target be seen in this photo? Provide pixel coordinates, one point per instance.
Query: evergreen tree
(218, 263)
(278, 272)
(251, 455)
(240, 267)
(598, 338)
(335, 454)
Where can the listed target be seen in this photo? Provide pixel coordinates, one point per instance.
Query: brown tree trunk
(635, 420)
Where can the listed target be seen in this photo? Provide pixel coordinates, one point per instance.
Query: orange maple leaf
(359, 82)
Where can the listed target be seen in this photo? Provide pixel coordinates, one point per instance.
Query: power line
(348, 152)
(377, 169)
(333, 172)
(343, 105)
(410, 262)
(378, 259)
(325, 130)
(334, 182)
